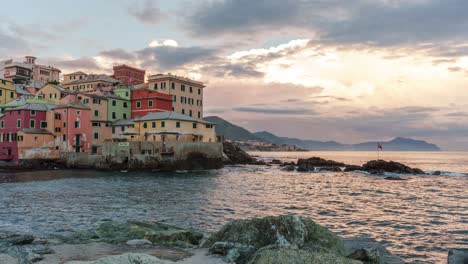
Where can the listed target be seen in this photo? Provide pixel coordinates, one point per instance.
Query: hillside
(237, 133)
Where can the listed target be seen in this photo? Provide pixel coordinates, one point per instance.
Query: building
(91, 83)
(36, 143)
(129, 75)
(165, 126)
(187, 94)
(16, 72)
(72, 127)
(42, 73)
(147, 101)
(29, 116)
(7, 91)
(74, 76)
(52, 92)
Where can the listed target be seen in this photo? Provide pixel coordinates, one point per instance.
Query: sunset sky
(341, 70)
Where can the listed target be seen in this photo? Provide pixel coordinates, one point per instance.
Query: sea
(418, 219)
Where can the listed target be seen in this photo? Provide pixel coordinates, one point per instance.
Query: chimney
(30, 60)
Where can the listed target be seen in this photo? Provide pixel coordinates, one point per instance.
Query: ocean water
(418, 219)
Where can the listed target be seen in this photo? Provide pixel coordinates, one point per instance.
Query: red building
(129, 75)
(73, 127)
(146, 101)
(14, 120)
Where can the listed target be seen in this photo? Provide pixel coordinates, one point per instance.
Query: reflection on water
(418, 219)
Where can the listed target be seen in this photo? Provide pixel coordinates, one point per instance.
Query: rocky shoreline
(280, 239)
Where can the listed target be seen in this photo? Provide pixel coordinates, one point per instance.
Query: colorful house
(7, 91)
(91, 83)
(129, 75)
(36, 143)
(72, 125)
(146, 101)
(52, 92)
(32, 116)
(165, 126)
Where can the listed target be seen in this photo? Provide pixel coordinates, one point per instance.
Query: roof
(35, 131)
(95, 96)
(175, 77)
(20, 89)
(75, 73)
(170, 115)
(32, 106)
(58, 87)
(22, 100)
(76, 105)
(35, 84)
(123, 122)
(95, 78)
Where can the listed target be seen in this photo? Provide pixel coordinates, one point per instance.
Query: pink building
(73, 127)
(30, 116)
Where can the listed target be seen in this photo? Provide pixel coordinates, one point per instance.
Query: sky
(342, 70)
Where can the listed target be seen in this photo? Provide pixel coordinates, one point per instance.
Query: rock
(129, 258)
(379, 166)
(365, 247)
(286, 231)
(436, 173)
(366, 255)
(17, 240)
(289, 168)
(157, 233)
(139, 242)
(232, 251)
(297, 256)
(334, 169)
(236, 155)
(457, 256)
(6, 259)
(395, 178)
(305, 165)
(286, 164)
(276, 162)
(26, 253)
(352, 168)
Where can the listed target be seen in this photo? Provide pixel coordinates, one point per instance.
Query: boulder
(16, 239)
(276, 162)
(395, 178)
(334, 169)
(297, 256)
(457, 256)
(129, 258)
(233, 252)
(381, 166)
(367, 255)
(138, 242)
(352, 168)
(157, 233)
(285, 231)
(286, 164)
(236, 155)
(289, 168)
(7, 259)
(305, 165)
(369, 251)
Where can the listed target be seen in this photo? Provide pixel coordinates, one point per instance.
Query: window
(33, 112)
(199, 91)
(114, 103)
(163, 86)
(18, 123)
(124, 116)
(153, 124)
(190, 113)
(114, 115)
(57, 129)
(96, 112)
(113, 130)
(150, 103)
(155, 86)
(138, 104)
(163, 124)
(173, 85)
(183, 111)
(77, 124)
(145, 125)
(182, 88)
(12, 95)
(2, 124)
(64, 124)
(194, 125)
(64, 137)
(177, 124)
(209, 126)
(191, 89)
(32, 123)
(57, 116)
(174, 98)
(43, 124)
(96, 135)
(107, 124)
(199, 114)
(78, 112)
(125, 104)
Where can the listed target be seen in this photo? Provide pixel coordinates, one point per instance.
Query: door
(77, 143)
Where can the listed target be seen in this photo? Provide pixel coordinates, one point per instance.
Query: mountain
(236, 133)
(231, 131)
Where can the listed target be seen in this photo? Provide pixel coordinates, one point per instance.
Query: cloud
(272, 111)
(146, 12)
(118, 54)
(12, 43)
(87, 64)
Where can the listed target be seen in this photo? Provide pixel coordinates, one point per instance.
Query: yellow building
(7, 91)
(187, 94)
(52, 93)
(74, 76)
(90, 83)
(165, 126)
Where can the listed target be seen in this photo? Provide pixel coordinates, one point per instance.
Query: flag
(379, 146)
